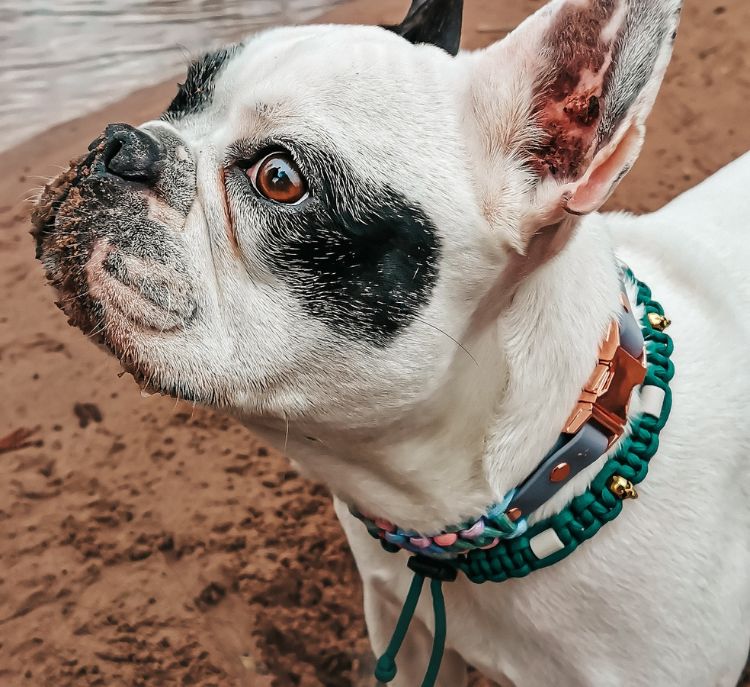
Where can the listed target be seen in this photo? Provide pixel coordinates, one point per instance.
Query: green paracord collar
(577, 522)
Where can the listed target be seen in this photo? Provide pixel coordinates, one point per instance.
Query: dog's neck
(498, 412)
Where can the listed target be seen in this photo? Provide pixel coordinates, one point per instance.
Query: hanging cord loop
(438, 572)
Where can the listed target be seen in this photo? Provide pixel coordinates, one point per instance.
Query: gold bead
(622, 488)
(658, 322)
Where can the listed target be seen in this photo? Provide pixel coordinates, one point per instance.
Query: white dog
(374, 250)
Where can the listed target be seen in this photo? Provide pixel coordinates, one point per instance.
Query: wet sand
(144, 542)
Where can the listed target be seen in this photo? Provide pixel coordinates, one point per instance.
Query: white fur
(660, 596)
(427, 432)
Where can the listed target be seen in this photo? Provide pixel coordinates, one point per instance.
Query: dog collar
(500, 544)
(595, 424)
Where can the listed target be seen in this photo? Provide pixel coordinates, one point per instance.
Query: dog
(385, 255)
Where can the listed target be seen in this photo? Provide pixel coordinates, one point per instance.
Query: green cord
(438, 643)
(385, 670)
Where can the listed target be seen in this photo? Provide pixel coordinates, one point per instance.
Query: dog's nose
(132, 154)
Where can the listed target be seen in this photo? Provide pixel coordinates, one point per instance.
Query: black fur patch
(361, 259)
(197, 91)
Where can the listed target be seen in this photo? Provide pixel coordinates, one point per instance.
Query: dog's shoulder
(701, 238)
(709, 226)
(723, 198)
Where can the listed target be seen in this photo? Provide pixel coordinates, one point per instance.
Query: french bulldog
(385, 255)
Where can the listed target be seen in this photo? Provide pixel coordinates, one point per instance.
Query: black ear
(437, 22)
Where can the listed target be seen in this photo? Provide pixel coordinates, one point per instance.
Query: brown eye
(277, 177)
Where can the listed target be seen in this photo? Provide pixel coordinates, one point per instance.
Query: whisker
(169, 305)
(99, 329)
(73, 296)
(35, 195)
(177, 400)
(455, 341)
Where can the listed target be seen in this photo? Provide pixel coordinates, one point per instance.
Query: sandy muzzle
(116, 268)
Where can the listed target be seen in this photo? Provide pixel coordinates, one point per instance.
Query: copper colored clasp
(606, 395)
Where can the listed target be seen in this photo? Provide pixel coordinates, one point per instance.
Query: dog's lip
(127, 300)
(120, 292)
(184, 314)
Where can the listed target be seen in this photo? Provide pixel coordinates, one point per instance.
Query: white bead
(652, 400)
(546, 543)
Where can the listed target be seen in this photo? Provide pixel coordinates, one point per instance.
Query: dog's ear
(561, 103)
(437, 22)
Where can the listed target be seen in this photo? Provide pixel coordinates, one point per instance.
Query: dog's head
(323, 211)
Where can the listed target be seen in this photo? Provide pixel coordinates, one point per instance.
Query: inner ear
(574, 80)
(609, 166)
(560, 107)
(434, 22)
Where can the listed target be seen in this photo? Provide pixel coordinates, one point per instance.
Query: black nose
(132, 154)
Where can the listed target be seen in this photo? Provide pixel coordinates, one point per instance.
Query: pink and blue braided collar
(482, 533)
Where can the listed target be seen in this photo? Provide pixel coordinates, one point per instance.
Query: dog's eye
(277, 177)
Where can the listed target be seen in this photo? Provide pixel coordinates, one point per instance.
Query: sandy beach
(145, 542)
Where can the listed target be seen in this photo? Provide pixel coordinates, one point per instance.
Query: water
(62, 58)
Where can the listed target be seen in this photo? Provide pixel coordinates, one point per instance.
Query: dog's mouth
(119, 272)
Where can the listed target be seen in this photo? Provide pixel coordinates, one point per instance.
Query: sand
(143, 542)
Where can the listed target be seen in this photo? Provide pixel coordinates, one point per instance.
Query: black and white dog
(375, 250)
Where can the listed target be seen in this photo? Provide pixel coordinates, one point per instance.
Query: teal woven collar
(499, 548)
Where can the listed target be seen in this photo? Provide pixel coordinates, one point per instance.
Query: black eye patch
(361, 259)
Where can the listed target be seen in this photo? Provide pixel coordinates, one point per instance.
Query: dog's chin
(140, 334)
(145, 354)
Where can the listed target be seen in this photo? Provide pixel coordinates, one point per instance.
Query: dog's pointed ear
(562, 101)
(437, 22)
